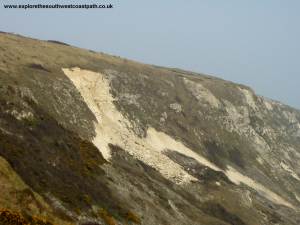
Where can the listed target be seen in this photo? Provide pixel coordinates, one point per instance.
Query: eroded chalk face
(113, 128)
(202, 94)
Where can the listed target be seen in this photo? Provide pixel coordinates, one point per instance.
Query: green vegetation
(62, 164)
(220, 212)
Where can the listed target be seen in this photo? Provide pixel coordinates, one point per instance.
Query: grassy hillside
(51, 171)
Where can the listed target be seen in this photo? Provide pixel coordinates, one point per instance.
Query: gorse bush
(107, 218)
(130, 216)
(8, 217)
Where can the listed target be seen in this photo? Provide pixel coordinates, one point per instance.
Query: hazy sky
(254, 42)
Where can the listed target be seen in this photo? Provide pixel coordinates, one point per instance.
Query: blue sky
(254, 42)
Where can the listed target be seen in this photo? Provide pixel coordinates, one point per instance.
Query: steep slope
(97, 139)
